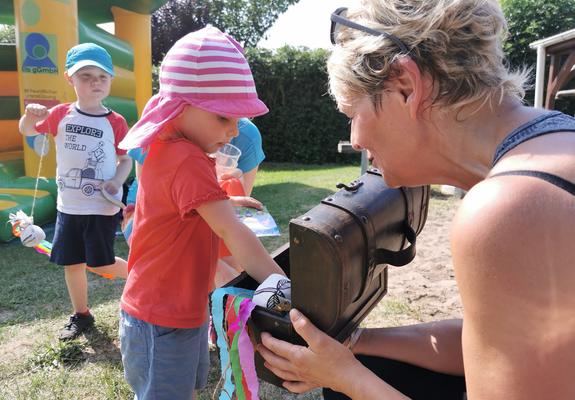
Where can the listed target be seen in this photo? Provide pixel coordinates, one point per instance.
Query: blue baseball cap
(88, 54)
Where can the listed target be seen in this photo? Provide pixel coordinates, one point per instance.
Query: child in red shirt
(181, 213)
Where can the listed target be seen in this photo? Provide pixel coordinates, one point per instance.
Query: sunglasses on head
(338, 18)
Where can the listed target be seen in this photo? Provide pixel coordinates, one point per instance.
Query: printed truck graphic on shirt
(88, 179)
(86, 157)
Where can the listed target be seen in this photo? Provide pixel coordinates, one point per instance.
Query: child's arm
(33, 114)
(246, 201)
(240, 240)
(123, 169)
(248, 180)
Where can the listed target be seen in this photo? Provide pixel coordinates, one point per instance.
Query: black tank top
(551, 122)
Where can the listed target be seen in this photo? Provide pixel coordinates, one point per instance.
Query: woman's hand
(324, 363)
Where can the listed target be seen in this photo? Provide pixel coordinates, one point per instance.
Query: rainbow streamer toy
(231, 308)
(33, 236)
(20, 221)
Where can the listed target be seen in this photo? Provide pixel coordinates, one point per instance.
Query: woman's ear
(412, 85)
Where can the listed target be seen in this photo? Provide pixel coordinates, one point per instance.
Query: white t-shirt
(86, 149)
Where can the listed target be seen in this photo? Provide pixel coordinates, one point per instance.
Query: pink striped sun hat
(206, 69)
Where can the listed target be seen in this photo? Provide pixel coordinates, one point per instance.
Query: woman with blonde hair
(428, 94)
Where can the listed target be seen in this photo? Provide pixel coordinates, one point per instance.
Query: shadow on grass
(55, 358)
(105, 347)
(48, 356)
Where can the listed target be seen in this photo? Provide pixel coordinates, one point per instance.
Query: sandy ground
(426, 287)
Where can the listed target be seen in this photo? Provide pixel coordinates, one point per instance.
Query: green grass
(289, 191)
(34, 305)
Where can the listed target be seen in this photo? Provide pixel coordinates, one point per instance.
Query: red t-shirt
(173, 252)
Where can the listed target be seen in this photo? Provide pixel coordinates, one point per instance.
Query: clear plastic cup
(227, 158)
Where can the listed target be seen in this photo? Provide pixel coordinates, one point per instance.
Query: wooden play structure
(561, 51)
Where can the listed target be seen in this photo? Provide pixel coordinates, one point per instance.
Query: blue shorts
(84, 239)
(163, 363)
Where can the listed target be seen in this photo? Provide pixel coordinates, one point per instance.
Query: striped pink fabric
(206, 69)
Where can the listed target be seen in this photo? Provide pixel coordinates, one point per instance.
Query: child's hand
(111, 187)
(245, 201)
(128, 211)
(38, 112)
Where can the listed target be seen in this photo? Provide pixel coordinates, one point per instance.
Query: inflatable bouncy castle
(31, 71)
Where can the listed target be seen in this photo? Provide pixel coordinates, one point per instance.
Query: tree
(246, 20)
(531, 20)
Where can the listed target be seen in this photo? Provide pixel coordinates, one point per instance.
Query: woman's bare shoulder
(512, 251)
(513, 259)
(514, 210)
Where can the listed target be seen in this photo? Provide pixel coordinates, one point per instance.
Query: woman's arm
(435, 345)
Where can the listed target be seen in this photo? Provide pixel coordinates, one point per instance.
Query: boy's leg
(163, 363)
(117, 270)
(68, 249)
(77, 284)
(82, 319)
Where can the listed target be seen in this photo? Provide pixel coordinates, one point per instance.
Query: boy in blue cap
(90, 166)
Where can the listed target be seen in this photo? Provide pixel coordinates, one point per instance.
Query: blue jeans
(163, 363)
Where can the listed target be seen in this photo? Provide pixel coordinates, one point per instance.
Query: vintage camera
(337, 258)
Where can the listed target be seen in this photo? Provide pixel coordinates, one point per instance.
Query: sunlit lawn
(34, 305)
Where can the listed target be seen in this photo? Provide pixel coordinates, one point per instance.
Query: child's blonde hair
(457, 42)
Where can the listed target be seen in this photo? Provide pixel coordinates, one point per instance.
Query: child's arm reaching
(240, 240)
(33, 114)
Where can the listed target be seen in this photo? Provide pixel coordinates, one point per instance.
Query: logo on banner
(39, 53)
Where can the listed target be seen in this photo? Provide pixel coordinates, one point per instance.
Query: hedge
(303, 124)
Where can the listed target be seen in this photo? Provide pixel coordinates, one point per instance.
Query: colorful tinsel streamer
(231, 309)
(20, 221)
(45, 247)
